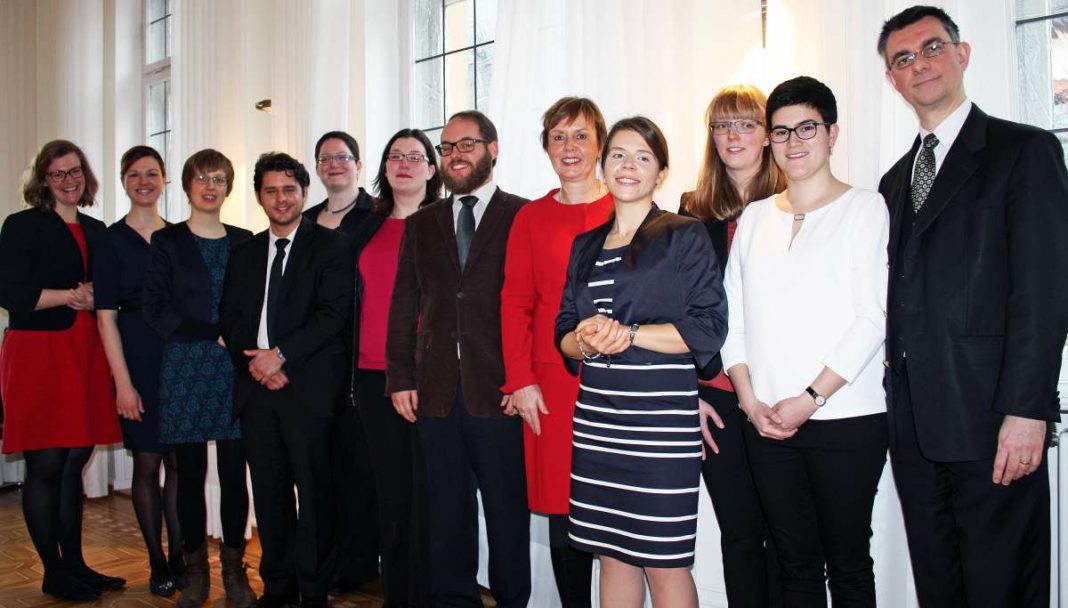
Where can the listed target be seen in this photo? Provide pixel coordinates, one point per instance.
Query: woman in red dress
(542, 390)
(54, 379)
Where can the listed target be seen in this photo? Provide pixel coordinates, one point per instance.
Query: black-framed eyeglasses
(326, 159)
(742, 126)
(59, 176)
(215, 180)
(930, 50)
(805, 130)
(414, 157)
(464, 145)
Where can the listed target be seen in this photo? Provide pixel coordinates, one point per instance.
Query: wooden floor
(113, 545)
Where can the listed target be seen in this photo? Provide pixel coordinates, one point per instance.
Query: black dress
(118, 273)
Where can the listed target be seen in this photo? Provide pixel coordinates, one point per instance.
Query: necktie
(275, 286)
(925, 172)
(465, 227)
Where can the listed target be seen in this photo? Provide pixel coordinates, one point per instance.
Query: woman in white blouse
(806, 289)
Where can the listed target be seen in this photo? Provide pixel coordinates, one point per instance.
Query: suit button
(459, 295)
(886, 363)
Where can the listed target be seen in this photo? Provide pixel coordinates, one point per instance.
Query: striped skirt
(636, 465)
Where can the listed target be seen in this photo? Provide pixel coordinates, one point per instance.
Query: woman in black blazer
(58, 400)
(737, 170)
(182, 288)
(643, 309)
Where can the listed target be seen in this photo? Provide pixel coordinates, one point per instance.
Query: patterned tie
(465, 227)
(275, 286)
(925, 172)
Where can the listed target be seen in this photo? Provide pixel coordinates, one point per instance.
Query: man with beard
(444, 368)
(287, 295)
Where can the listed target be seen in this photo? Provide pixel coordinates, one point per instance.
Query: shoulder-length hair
(384, 203)
(35, 188)
(716, 196)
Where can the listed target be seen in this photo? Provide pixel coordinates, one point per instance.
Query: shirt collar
(483, 193)
(950, 127)
(292, 236)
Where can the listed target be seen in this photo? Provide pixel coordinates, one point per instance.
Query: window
(453, 58)
(156, 80)
(1042, 51)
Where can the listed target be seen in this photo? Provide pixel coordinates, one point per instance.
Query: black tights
(572, 569)
(192, 509)
(151, 505)
(52, 506)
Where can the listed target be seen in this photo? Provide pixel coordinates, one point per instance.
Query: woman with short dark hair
(58, 401)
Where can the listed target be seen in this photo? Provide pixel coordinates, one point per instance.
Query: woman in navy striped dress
(642, 309)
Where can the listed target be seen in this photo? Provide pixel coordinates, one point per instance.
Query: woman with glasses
(643, 308)
(134, 353)
(182, 288)
(806, 286)
(407, 180)
(737, 169)
(54, 379)
(543, 392)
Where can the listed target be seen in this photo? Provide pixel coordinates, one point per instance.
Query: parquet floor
(113, 545)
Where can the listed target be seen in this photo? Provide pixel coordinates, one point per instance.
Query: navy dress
(197, 376)
(118, 273)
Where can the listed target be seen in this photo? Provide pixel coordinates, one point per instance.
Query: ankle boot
(197, 581)
(235, 580)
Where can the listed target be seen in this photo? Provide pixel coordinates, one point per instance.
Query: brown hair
(204, 161)
(135, 154)
(715, 196)
(35, 188)
(567, 109)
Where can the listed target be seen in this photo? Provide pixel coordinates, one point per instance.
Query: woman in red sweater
(542, 390)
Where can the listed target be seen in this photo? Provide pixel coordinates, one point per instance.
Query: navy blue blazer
(37, 251)
(669, 275)
(177, 289)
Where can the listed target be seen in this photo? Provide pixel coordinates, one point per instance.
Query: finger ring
(1022, 461)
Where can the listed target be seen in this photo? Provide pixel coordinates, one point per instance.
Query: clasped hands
(81, 297)
(782, 420)
(266, 368)
(601, 335)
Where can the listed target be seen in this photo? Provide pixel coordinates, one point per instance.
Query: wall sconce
(264, 105)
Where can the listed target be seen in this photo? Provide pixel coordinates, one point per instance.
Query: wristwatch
(633, 330)
(818, 398)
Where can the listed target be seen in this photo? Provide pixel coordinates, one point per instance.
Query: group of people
(587, 356)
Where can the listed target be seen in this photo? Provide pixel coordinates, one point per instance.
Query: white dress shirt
(272, 250)
(483, 193)
(946, 132)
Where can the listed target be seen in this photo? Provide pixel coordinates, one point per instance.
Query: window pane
(157, 40)
(1064, 143)
(459, 82)
(428, 93)
(1036, 91)
(427, 20)
(1059, 70)
(483, 75)
(157, 9)
(486, 20)
(157, 114)
(459, 24)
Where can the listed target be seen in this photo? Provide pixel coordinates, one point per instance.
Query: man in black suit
(444, 371)
(286, 298)
(977, 318)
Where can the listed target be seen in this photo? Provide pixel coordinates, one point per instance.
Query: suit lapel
(958, 166)
(299, 256)
(443, 211)
(258, 270)
(487, 226)
(898, 195)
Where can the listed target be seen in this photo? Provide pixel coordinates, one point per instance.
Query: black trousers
(972, 543)
(750, 567)
(818, 489)
(356, 509)
(464, 454)
(395, 456)
(289, 447)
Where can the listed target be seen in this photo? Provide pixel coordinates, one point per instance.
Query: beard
(481, 170)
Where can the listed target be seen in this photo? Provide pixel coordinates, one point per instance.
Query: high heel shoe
(163, 586)
(69, 588)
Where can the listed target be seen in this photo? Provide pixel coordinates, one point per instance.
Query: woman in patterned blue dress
(643, 309)
(183, 286)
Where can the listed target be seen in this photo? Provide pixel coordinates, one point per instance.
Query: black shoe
(69, 588)
(344, 587)
(164, 586)
(176, 563)
(276, 601)
(103, 582)
(313, 602)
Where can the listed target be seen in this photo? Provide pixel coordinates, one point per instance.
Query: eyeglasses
(59, 176)
(215, 180)
(464, 145)
(741, 127)
(326, 159)
(414, 157)
(931, 50)
(805, 130)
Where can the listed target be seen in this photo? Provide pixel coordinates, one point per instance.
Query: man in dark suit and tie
(977, 318)
(444, 369)
(286, 298)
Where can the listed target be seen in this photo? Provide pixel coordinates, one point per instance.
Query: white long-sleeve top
(820, 301)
